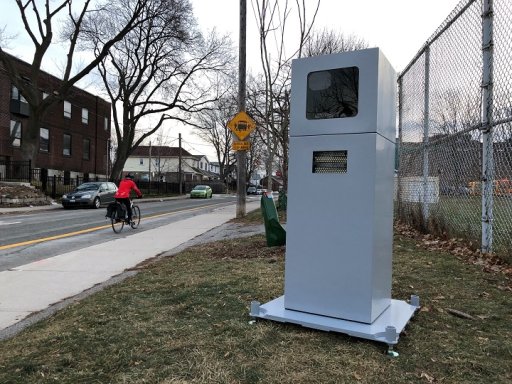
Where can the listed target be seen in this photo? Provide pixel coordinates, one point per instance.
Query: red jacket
(125, 187)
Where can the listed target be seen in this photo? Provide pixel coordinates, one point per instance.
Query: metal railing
(455, 129)
(17, 171)
(56, 186)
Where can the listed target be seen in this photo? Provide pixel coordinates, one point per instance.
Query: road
(26, 238)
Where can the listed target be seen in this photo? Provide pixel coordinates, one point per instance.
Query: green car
(203, 191)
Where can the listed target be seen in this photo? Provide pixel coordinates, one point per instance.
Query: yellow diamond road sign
(241, 145)
(241, 125)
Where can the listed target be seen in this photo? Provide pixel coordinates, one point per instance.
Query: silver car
(90, 194)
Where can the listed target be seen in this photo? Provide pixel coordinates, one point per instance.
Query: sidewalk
(36, 286)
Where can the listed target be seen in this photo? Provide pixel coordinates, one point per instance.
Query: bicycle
(118, 223)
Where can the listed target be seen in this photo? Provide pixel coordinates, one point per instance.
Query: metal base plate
(386, 328)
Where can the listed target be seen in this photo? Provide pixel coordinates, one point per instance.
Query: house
(203, 166)
(74, 136)
(277, 183)
(215, 167)
(163, 163)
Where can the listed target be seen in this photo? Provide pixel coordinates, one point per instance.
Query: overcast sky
(398, 27)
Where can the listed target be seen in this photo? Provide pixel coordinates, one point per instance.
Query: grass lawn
(461, 216)
(184, 319)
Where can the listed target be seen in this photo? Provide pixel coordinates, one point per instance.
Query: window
(19, 104)
(86, 150)
(332, 93)
(141, 161)
(45, 95)
(85, 115)
(44, 140)
(105, 124)
(15, 137)
(66, 145)
(16, 95)
(67, 109)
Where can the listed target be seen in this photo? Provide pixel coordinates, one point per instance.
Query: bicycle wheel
(135, 216)
(117, 224)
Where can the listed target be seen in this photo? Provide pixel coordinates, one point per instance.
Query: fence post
(30, 171)
(486, 127)
(54, 187)
(398, 150)
(44, 179)
(426, 117)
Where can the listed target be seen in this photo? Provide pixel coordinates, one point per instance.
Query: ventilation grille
(330, 162)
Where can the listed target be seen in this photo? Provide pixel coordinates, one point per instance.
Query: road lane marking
(93, 229)
(56, 237)
(11, 223)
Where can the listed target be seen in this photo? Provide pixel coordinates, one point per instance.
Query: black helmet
(129, 176)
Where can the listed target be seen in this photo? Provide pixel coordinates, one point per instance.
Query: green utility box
(275, 233)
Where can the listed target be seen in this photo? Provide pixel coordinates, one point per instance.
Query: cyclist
(123, 194)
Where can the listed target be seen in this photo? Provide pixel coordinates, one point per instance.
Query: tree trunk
(117, 167)
(30, 137)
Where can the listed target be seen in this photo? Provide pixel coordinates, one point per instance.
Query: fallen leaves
(426, 376)
(457, 247)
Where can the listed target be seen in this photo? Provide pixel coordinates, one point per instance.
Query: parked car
(90, 194)
(260, 191)
(251, 190)
(203, 191)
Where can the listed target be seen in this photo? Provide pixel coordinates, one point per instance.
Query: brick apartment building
(74, 135)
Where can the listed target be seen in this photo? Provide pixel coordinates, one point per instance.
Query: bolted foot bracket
(391, 352)
(255, 308)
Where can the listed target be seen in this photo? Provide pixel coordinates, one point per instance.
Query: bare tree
(326, 42)
(271, 105)
(455, 139)
(272, 18)
(211, 125)
(161, 69)
(256, 106)
(39, 22)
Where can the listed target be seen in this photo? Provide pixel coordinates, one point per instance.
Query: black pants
(128, 204)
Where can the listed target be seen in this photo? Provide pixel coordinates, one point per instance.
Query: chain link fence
(455, 129)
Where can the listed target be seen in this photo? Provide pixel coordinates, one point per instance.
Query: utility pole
(149, 175)
(241, 158)
(179, 164)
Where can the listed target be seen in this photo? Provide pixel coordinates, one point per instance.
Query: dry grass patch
(184, 319)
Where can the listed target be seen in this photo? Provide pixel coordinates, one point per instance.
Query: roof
(158, 150)
(206, 173)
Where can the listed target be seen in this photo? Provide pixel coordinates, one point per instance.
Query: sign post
(241, 158)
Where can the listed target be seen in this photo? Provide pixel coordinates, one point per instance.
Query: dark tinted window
(66, 145)
(332, 93)
(88, 187)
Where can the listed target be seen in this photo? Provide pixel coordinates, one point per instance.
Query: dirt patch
(19, 195)
(240, 248)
